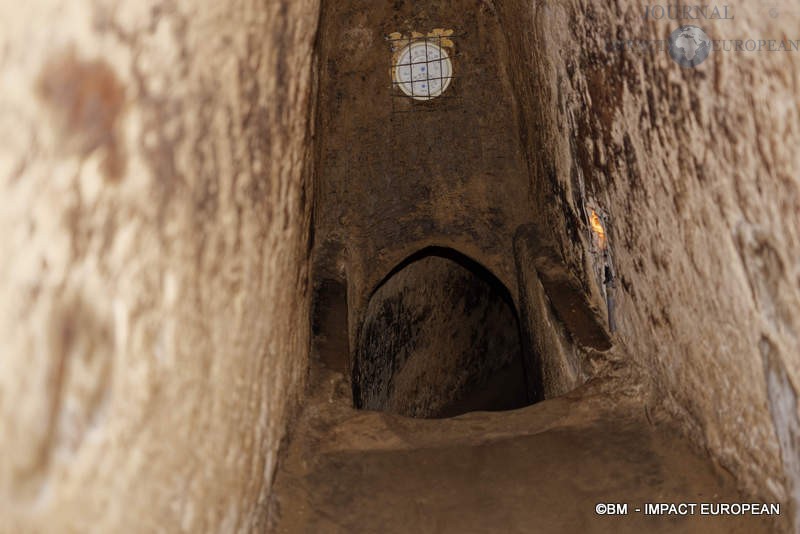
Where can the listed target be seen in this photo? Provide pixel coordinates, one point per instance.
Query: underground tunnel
(465, 261)
(434, 156)
(323, 266)
(441, 337)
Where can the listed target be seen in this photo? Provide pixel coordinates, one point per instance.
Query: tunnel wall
(153, 307)
(696, 170)
(154, 219)
(396, 178)
(392, 181)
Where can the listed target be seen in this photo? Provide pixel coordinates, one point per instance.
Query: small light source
(423, 70)
(598, 230)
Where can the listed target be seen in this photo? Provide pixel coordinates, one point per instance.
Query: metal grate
(422, 72)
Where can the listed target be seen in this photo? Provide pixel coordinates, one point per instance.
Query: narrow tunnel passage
(441, 337)
(329, 324)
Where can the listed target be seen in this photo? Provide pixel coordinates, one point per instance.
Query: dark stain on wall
(87, 100)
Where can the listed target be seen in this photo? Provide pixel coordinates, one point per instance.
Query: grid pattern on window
(422, 72)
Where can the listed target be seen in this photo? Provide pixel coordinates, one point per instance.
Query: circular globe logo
(689, 46)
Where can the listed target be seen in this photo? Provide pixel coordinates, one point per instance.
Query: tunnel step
(542, 468)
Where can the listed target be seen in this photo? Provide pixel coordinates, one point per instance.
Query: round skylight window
(423, 70)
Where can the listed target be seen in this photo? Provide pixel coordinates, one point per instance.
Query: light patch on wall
(598, 230)
(602, 261)
(422, 68)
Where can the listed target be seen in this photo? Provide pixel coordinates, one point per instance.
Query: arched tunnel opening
(441, 337)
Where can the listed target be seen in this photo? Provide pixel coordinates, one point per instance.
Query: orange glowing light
(597, 228)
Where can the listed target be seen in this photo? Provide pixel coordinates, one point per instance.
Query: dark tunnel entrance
(441, 337)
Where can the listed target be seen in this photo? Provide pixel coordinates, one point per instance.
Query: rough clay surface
(439, 340)
(694, 171)
(697, 171)
(154, 217)
(153, 244)
(538, 469)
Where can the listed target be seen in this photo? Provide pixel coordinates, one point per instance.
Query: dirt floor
(543, 468)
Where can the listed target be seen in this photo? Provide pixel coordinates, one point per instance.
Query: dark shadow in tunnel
(441, 337)
(329, 325)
